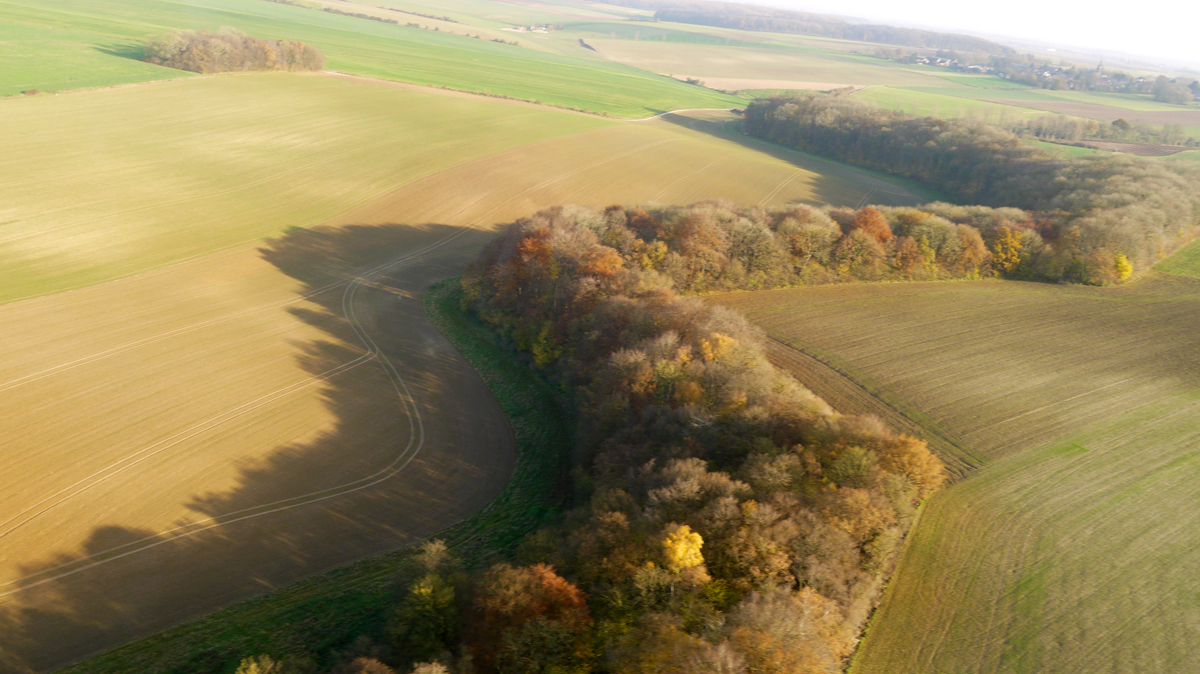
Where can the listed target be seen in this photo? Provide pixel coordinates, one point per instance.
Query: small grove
(1082, 220)
(229, 50)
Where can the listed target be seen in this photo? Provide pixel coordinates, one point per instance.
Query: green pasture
(940, 105)
(1022, 94)
(1186, 260)
(1135, 102)
(379, 49)
(636, 30)
(761, 63)
(36, 57)
(106, 183)
(1060, 150)
(1072, 546)
(983, 81)
(1189, 155)
(1076, 556)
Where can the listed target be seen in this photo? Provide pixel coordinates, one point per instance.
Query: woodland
(229, 50)
(1085, 219)
(724, 518)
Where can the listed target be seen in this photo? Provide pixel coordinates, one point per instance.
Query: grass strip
(328, 611)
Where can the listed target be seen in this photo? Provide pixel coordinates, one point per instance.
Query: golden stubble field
(1071, 544)
(205, 429)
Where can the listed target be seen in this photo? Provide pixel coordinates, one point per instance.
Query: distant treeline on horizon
(769, 19)
(229, 50)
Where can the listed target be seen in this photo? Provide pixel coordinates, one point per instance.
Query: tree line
(1078, 212)
(772, 19)
(725, 518)
(229, 50)
(1061, 127)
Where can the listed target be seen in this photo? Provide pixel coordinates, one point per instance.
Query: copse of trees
(1082, 213)
(725, 519)
(229, 50)
(731, 516)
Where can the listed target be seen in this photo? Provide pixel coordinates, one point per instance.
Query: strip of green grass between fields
(1183, 262)
(328, 611)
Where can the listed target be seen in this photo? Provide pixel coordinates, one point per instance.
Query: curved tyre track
(127, 581)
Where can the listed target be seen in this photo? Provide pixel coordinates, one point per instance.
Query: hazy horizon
(1104, 30)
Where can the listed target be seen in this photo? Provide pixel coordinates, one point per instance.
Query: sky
(1165, 29)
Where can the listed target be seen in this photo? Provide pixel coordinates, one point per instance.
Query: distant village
(1026, 69)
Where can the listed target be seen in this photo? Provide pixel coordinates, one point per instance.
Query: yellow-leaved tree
(682, 548)
(1123, 267)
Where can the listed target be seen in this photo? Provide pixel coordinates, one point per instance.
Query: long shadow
(134, 52)
(832, 176)
(416, 444)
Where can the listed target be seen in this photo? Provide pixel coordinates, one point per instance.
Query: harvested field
(771, 63)
(943, 105)
(1105, 113)
(204, 431)
(1068, 546)
(744, 84)
(175, 170)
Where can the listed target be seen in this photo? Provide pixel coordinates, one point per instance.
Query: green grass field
(47, 59)
(1069, 547)
(1189, 155)
(983, 81)
(1183, 262)
(375, 49)
(760, 63)
(1068, 150)
(928, 104)
(1136, 102)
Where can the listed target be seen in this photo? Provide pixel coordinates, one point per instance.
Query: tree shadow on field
(409, 451)
(132, 51)
(833, 182)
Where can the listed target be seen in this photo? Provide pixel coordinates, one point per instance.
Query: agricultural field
(364, 47)
(36, 57)
(927, 104)
(1071, 410)
(178, 169)
(1183, 262)
(751, 65)
(211, 390)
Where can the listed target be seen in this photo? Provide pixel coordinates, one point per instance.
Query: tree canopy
(229, 50)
